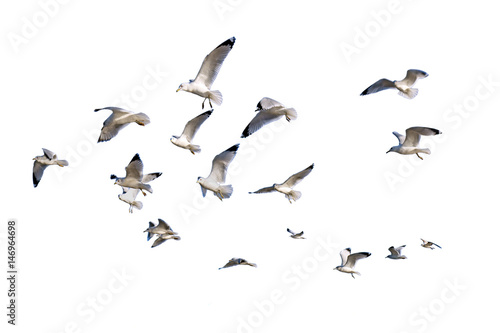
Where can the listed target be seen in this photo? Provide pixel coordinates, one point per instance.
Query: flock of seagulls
(268, 110)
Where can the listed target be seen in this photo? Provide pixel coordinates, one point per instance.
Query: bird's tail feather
(409, 93)
(194, 148)
(142, 119)
(136, 204)
(291, 113)
(226, 191)
(215, 96)
(147, 187)
(62, 163)
(295, 195)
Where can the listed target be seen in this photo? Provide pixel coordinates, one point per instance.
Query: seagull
(129, 194)
(396, 253)
(349, 261)
(287, 187)
(269, 111)
(217, 176)
(404, 86)
(163, 238)
(208, 72)
(43, 161)
(296, 235)
(408, 144)
(192, 126)
(163, 230)
(429, 245)
(237, 261)
(118, 120)
(133, 177)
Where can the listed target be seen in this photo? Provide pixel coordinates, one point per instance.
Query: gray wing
(412, 75)
(221, 162)
(297, 178)
(150, 177)
(194, 124)
(380, 85)
(399, 249)
(134, 168)
(213, 62)
(393, 251)
(401, 137)
(38, 169)
(262, 118)
(110, 128)
(48, 153)
(344, 254)
(413, 135)
(290, 231)
(158, 241)
(267, 103)
(264, 190)
(351, 259)
(232, 262)
(162, 225)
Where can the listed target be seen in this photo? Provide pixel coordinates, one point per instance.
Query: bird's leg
(192, 152)
(143, 193)
(210, 102)
(352, 275)
(287, 118)
(140, 123)
(419, 156)
(203, 103)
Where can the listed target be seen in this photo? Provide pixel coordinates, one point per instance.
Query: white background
(75, 236)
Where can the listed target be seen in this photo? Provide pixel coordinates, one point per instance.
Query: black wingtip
(234, 148)
(230, 42)
(209, 112)
(365, 92)
(246, 133)
(135, 158)
(112, 176)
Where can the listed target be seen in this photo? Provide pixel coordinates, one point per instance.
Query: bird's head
(337, 268)
(392, 149)
(181, 87)
(199, 180)
(174, 138)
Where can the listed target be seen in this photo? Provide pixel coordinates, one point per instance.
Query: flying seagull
(287, 187)
(163, 231)
(297, 235)
(237, 261)
(349, 261)
(404, 86)
(217, 176)
(269, 111)
(43, 161)
(130, 194)
(202, 84)
(133, 177)
(429, 245)
(118, 120)
(409, 144)
(192, 126)
(396, 252)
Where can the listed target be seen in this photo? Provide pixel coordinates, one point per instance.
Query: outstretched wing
(413, 135)
(264, 190)
(38, 169)
(213, 62)
(412, 75)
(380, 85)
(194, 124)
(351, 259)
(267, 103)
(297, 178)
(134, 168)
(262, 118)
(221, 162)
(344, 254)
